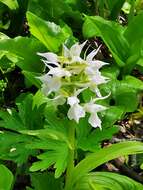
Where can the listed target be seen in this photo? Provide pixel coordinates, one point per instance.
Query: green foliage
(26, 53)
(106, 180)
(35, 132)
(94, 160)
(50, 34)
(117, 44)
(12, 4)
(6, 179)
(40, 182)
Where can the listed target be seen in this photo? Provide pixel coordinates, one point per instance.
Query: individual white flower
(75, 111)
(50, 84)
(93, 109)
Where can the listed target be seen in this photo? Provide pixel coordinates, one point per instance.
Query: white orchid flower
(93, 109)
(50, 84)
(76, 111)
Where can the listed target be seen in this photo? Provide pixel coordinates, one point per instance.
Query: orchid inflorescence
(69, 75)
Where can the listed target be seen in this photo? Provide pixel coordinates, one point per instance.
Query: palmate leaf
(17, 121)
(13, 144)
(6, 178)
(89, 139)
(13, 147)
(56, 153)
(107, 180)
(53, 141)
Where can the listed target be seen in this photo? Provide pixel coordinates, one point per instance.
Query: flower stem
(70, 165)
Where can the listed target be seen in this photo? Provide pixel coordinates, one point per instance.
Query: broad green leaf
(50, 34)
(111, 33)
(107, 180)
(32, 78)
(12, 4)
(123, 92)
(115, 7)
(6, 178)
(134, 31)
(45, 181)
(26, 51)
(98, 158)
(54, 11)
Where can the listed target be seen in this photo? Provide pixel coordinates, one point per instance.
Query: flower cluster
(69, 75)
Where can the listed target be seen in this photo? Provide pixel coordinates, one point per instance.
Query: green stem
(70, 166)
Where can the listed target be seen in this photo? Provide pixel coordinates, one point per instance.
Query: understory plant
(67, 78)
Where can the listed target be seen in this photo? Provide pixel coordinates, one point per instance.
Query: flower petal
(90, 56)
(76, 112)
(72, 100)
(51, 57)
(94, 120)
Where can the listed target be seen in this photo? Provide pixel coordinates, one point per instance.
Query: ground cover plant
(71, 87)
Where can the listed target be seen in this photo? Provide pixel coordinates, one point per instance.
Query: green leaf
(57, 155)
(45, 181)
(6, 178)
(98, 158)
(115, 7)
(50, 34)
(89, 139)
(107, 180)
(11, 119)
(54, 142)
(26, 51)
(13, 147)
(134, 31)
(111, 33)
(123, 92)
(12, 4)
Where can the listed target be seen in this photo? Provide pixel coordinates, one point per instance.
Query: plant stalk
(70, 166)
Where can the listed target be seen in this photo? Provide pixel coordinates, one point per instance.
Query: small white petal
(51, 57)
(66, 52)
(72, 100)
(92, 54)
(98, 78)
(59, 72)
(50, 84)
(76, 49)
(44, 78)
(94, 120)
(76, 112)
(91, 107)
